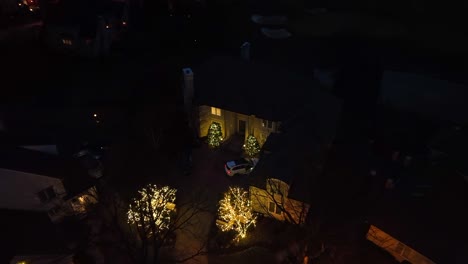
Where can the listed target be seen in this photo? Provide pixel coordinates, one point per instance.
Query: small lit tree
(252, 147)
(235, 212)
(215, 136)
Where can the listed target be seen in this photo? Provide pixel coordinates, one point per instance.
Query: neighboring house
(245, 97)
(80, 28)
(282, 183)
(425, 95)
(275, 201)
(35, 181)
(421, 220)
(450, 145)
(39, 259)
(396, 248)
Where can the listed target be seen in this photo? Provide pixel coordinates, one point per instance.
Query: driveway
(208, 167)
(207, 175)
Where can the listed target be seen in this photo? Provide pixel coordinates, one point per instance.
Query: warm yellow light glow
(81, 199)
(235, 212)
(95, 115)
(21, 262)
(153, 206)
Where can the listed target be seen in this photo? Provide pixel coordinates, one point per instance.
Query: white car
(240, 166)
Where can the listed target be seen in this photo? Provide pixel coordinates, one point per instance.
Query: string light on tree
(152, 209)
(235, 212)
(215, 136)
(251, 146)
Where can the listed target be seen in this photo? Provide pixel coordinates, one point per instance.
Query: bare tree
(150, 223)
(274, 202)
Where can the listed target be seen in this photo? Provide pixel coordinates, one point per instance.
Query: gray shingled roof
(295, 156)
(252, 88)
(434, 224)
(30, 161)
(74, 176)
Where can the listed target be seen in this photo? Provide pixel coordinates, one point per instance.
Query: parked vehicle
(240, 166)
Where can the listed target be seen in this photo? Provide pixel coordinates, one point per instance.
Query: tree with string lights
(151, 214)
(151, 211)
(215, 136)
(235, 213)
(251, 146)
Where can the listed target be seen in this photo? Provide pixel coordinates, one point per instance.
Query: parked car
(240, 166)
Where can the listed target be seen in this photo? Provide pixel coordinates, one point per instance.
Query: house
(245, 97)
(450, 144)
(49, 258)
(431, 97)
(421, 219)
(282, 183)
(35, 181)
(83, 28)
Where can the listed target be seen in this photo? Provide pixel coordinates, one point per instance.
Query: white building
(34, 181)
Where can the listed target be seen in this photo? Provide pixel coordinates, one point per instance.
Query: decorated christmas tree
(215, 136)
(252, 147)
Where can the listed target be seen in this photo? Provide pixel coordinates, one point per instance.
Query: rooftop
(30, 161)
(432, 97)
(254, 88)
(425, 212)
(296, 155)
(74, 176)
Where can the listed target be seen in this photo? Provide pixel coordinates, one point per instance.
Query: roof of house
(74, 176)
(426, 212)
(296, 155)
(30, 161)
(426, 95)
(253, 88)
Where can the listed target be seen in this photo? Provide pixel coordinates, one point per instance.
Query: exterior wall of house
(229, 122)
(399, 250)
(19, 190)
(262, 202)
(79, 204)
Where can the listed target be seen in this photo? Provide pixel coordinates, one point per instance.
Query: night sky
(368, 102)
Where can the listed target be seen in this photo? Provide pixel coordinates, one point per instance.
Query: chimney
(188, 88)
(245, 51)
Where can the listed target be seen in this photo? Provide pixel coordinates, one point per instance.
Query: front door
(241, 130)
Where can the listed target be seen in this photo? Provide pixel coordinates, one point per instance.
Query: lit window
(215, 111)
(47, 194)
(67, 42)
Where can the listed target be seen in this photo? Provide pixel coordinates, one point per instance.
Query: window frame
(271, 205)
(47, 194)
(267, 124)
(278, 210)
(215, 111)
